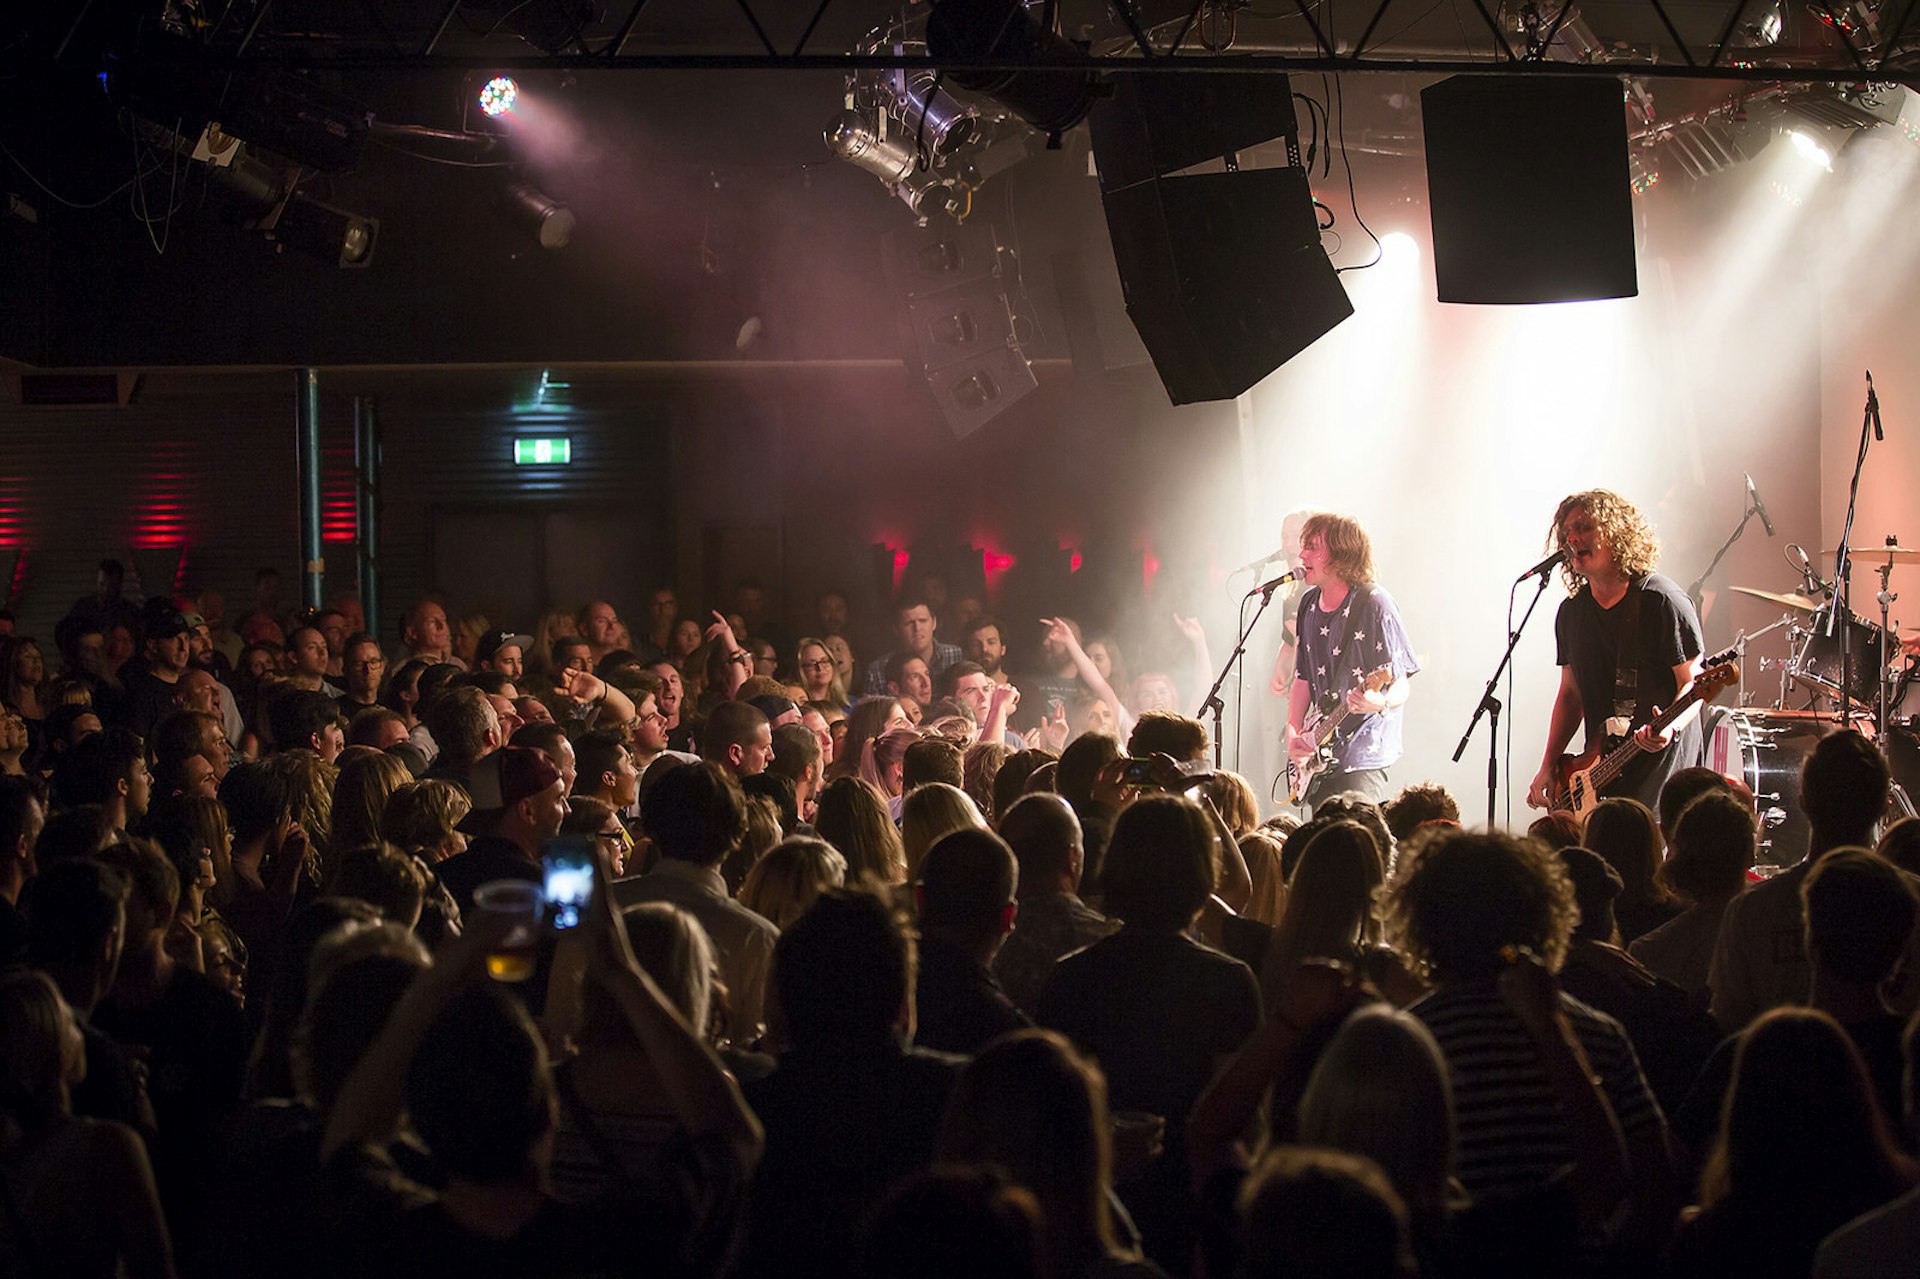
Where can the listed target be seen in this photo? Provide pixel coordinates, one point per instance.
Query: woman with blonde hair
(1329, 911)
(1032, 1105)
(554, 624)
(785, 881)
(929, 815)
(360, 799)
(978, 767)
(62, 1170)
(1233, 798)
(883, 761)
(813, 660)
(312, 780)
(466, 638)
(853, 818)
(420, 817)
(1260, 849)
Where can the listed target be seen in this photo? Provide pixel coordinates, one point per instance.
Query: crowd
(910, 965)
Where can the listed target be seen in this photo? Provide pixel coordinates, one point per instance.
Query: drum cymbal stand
(1738, 651)
(1902, 802)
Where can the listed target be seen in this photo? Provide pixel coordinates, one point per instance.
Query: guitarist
(1629, 644)
(1347, 627)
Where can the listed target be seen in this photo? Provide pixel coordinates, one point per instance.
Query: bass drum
(1767, 750)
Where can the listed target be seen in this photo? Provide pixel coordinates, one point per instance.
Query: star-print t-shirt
(1338, 650)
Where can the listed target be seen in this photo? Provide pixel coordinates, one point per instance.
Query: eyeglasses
(822, 664)
(371, 664)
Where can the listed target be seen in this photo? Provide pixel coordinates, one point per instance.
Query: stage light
(981, 31)
(546, 219)
(1810, 149)
(328, 233)
(1399, 249)
(497, 96)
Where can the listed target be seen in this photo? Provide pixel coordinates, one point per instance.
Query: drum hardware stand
(1738, 651)
(1898, 796)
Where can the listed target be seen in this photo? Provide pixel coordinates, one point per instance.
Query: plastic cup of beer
(522, 903)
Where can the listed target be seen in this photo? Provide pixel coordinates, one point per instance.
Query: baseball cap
(771, 706)
(503, 779)
(493, 641)
(166, 623)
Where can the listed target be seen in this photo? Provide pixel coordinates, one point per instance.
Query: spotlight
(545, 218)
(1399, 249)
(330, 234)
(1810, 149)
(1002, 31)
(497, 96)
(862, 139)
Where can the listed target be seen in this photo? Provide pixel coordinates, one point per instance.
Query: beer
(512, 959)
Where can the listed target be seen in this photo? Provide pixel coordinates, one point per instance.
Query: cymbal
(1876, 555)
(1800, 602)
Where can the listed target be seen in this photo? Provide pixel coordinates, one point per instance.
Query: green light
(552, 452)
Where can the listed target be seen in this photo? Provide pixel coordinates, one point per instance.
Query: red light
(1074, 561)
(1149, 569)
(900, 561)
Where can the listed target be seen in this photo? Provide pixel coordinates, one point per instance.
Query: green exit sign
(552, 452)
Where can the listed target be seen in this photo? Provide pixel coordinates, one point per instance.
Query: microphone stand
(1212, 704)
(1490, 705)
(1843, 561)
(1700, 582)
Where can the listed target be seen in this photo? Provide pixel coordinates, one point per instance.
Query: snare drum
(1817, 663)
(1766, 750)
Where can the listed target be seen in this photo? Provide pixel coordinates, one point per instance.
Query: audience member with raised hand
(81, 1199)
(1059, 637)
(467, 1065)
(1461, 907)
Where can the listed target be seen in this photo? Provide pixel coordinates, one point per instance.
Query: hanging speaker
(1529, 190)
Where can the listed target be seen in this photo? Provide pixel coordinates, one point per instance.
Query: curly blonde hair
(1459, 899)
(1635, 546)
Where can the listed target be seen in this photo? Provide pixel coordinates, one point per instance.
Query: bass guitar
(1321, 728)
(1584, 776)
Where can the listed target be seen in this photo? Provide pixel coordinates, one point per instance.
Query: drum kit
(1841, 668)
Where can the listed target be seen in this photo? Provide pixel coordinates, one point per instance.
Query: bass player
(1353, 657)
(1629, 645)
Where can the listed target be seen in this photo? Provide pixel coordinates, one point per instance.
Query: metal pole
(366, 477)
(313, 566)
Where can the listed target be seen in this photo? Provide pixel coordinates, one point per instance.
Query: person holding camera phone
(1344, 711)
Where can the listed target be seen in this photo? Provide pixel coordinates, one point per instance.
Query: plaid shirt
(944, 655)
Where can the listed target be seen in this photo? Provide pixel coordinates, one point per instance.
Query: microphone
(1759, 507)
(1254, 566)
(1873, 408)
(1267, 588)
(1547, 565)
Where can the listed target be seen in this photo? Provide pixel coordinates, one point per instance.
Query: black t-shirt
(1589, 640)
(958, 1005)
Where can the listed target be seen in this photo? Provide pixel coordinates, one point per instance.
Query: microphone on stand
(1268, 588)
(1547, 565)
(1873, 408)
(1759, 507)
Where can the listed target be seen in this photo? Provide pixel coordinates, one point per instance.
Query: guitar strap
(1626, 659)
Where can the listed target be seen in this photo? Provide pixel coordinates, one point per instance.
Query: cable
(1353, 198)
(56, 196)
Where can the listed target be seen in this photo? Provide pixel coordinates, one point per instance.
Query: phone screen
(1138, 772)
(568, 860)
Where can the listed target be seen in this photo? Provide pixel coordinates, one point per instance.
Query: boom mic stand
(1490, 705)
(1212, 703)
(1843, 557)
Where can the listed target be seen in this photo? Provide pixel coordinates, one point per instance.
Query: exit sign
(552, 452)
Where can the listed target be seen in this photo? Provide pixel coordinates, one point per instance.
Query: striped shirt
(1511, 1134)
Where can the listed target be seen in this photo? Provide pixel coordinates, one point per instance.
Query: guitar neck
(1609, 768)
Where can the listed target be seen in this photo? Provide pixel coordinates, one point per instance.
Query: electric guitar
(1584, 776)
(1321, 728)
